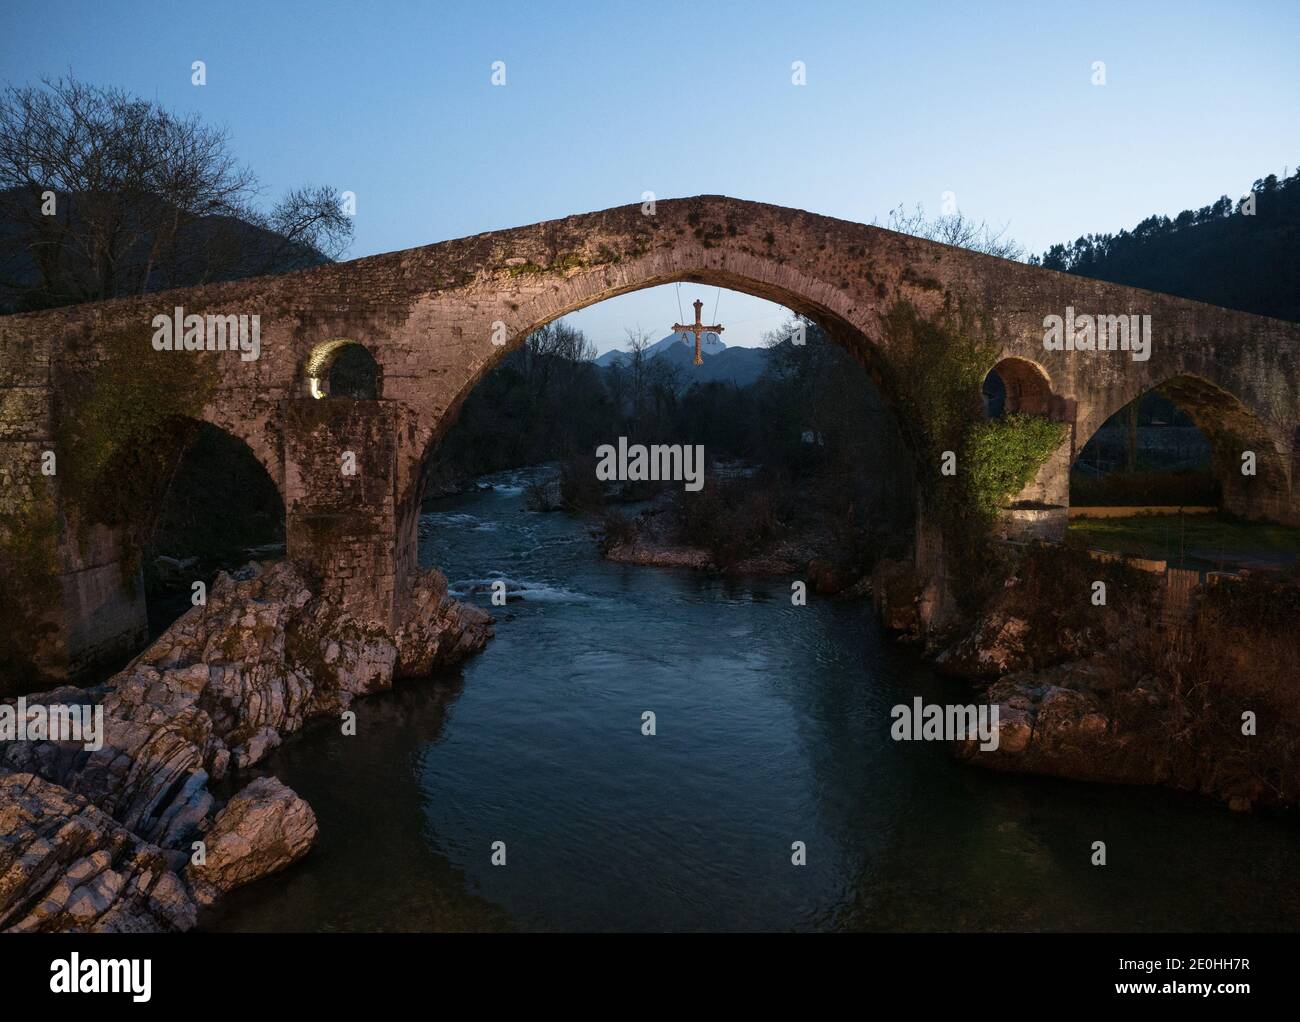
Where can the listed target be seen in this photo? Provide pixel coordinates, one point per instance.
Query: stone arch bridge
(437, 318)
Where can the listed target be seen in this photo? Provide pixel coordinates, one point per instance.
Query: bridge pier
(341, 508)
(1041, 511)
(103, 613)
(937, 606)
(76, 601)
(1267, 495)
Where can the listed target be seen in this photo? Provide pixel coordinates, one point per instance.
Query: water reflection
(375, 866)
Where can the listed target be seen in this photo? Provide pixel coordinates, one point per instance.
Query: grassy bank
(1197, 537)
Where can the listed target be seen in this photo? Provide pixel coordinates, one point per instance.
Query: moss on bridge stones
(563, 263)
(709, 234)
(521, 269)
(936, 370)
(29, 590)
(122, 421)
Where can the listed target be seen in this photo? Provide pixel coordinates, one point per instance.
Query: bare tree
(638, 364)
(104, 194)
(563, 341)
(954, 229)
(553, 360)
(307, 219)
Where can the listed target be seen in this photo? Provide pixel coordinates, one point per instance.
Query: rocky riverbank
(652, 539)
(131, 836)
(1094, 720)
(1201, 700)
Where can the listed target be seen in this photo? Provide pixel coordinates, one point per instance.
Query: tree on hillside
(104, 194)
(1242, 254)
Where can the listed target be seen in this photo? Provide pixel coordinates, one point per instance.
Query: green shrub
(1002, 455)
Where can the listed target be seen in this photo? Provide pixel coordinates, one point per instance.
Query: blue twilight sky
(392, 99)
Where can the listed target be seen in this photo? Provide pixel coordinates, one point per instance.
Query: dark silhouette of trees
(104, 194)
(1221, 253)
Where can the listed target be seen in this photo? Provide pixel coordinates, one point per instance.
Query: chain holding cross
(697, 328)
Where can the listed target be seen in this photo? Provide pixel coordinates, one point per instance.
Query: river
(772, 728)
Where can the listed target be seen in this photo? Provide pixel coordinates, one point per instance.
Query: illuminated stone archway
(326, 357)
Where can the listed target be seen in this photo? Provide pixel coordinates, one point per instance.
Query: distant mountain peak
(735, 365)
(710, 344)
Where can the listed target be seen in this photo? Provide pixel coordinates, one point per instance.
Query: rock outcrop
(217, 691)
(1074, 720)
(438, 630)
(994, 647)
(1091, 720)
(67, 865)
(263, 829)
(649, 553)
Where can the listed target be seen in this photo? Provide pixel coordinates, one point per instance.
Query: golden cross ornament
(697, 328)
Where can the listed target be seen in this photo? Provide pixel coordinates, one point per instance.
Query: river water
(772, 727)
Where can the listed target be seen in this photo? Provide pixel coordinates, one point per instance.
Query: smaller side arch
(1020, 386)
(342, 368)
(1017, 385)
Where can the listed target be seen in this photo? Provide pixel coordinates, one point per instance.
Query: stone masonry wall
(433, 316)
(341, 513)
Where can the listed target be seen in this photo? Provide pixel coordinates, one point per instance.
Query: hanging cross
(697, 328)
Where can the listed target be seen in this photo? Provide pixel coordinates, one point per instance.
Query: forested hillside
(1222, 253)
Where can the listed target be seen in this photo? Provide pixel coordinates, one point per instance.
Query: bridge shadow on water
(375, 866)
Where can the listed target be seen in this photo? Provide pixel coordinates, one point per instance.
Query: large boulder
(263, 829)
